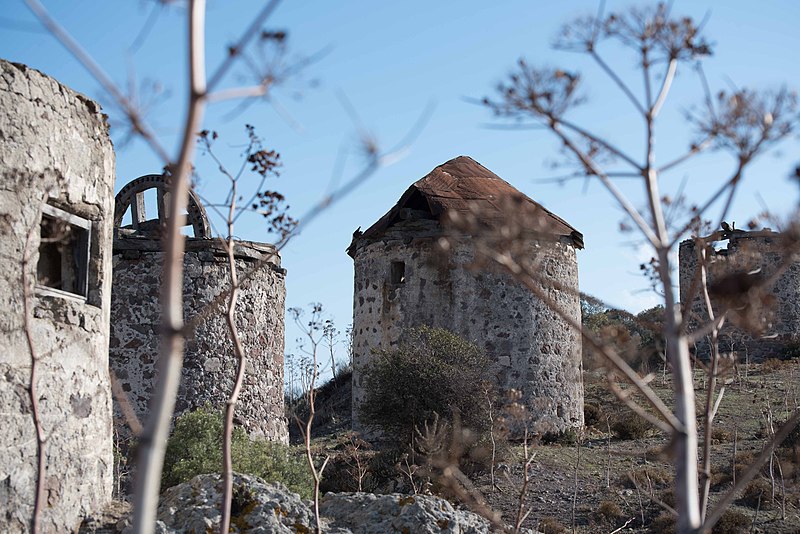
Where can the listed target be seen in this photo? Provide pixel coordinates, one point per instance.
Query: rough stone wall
(533, 349)
(759, 326)
(209, 362)
(53, 140)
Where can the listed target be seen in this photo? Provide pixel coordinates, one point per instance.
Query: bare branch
(154, 437)
(590, 166)
(77, 51)
(236, 93)
(731, 182)
(124, 403)
(665, 86)
(750, 473)
(693, 150)
(621, 84)
(241, 359)
(526, 277)
(27, 284)
(605, 144)
(235, 50)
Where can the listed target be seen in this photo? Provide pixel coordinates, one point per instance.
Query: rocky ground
(602, 482)
(267, 507)
(613, 477)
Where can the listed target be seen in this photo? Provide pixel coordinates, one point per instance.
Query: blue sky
(392, 60)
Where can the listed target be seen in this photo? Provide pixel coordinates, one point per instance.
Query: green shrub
(432, 372)
(792, 350)
(195, 447)
(567, 437)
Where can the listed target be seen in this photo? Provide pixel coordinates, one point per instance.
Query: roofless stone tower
(403, 280)
(209, 367)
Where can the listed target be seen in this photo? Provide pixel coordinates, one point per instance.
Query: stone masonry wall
(533, 349)
(209, 363)
(777, 316)
(53, 142)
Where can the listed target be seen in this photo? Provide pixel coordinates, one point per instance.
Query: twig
(125, 404)
(83, 57)
(750, 473)
(241, 358)
(33, 391)
(522, 513)
(154, 437)
(711, 406)
(621, 528)
(653, 498)
(575, 490)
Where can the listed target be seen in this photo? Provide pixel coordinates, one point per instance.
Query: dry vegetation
(620, 481)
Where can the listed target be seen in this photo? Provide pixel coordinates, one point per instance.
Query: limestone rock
(366, 513)
(269, 507)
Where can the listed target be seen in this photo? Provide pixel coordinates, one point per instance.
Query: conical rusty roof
(464, 185)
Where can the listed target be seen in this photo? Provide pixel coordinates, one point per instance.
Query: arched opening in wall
(397, 273)
(64, 245)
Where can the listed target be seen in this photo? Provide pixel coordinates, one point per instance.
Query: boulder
(269, 507)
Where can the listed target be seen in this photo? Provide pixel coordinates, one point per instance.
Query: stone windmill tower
(209, 364)
(755, 278)
(401, 281)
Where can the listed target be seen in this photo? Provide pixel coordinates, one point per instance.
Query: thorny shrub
(195, 447)
(609, 512)
(732, 522)
(647, 476)
(593, 415)
(663, 524)
(758, 494)
(630, 426)
(551, 525)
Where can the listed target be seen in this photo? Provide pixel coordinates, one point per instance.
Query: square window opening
(398, 272)
(65, 242)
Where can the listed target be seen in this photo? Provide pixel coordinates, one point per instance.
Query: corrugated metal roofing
(461, 184)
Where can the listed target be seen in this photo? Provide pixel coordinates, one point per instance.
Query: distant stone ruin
(209, 367)
(402, 280)
(753, 276)
(56, 208)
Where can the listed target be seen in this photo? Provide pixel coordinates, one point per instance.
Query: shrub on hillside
(732, 522)
(195, 447)
(593, 415)
(433, 371)
(631, 426)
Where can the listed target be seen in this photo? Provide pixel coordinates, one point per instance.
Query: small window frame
(81, 254)
(397, 273)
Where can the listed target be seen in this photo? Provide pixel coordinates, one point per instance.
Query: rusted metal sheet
(464, 185)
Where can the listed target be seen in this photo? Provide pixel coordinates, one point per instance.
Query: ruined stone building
(400, 283)
(57, 219)
(56, 213)
(756, 278)
(209, 368)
